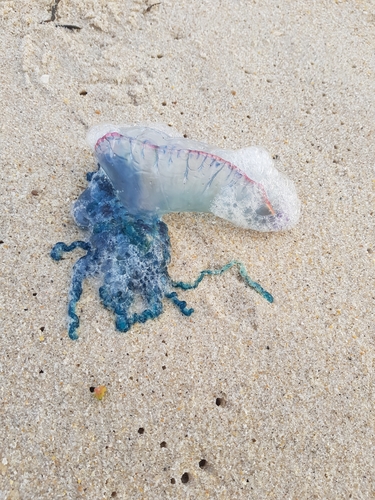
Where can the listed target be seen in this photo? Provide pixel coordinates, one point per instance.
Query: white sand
(296, 378)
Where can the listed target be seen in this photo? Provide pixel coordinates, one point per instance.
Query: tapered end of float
(266, 201)
(98, 131)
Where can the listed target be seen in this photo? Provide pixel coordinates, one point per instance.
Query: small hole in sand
(185, 478)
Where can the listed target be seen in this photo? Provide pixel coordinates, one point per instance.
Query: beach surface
(244, 399)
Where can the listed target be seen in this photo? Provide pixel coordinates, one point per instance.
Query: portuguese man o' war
(143, 173)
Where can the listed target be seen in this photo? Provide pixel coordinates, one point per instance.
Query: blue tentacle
(181, 304)
(60, 248)
(253, 284)
(81, 270)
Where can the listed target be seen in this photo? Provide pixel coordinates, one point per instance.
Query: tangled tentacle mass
(129, 255)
